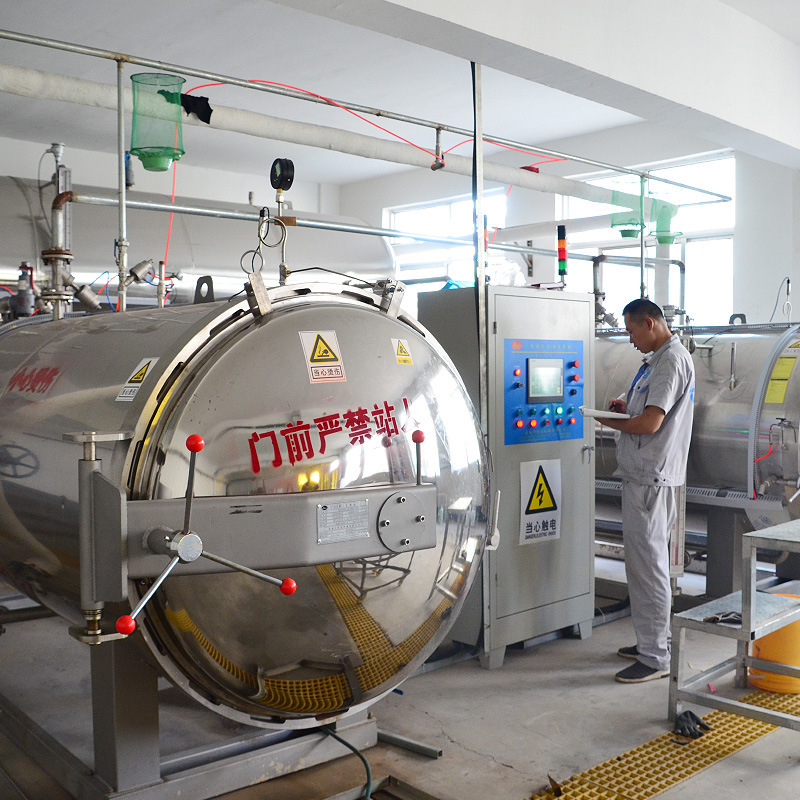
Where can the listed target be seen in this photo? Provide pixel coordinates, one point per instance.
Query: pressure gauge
(281, 175)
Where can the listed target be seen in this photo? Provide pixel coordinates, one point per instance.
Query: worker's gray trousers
(648, 513)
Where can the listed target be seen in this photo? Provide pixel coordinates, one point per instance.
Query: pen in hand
(619, 405)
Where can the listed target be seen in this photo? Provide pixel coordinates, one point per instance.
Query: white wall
(766, 241)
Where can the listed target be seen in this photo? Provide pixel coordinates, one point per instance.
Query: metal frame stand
(761, 613)
(127, 759)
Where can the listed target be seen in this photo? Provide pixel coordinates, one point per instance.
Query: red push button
(575, 378)
(575, 364)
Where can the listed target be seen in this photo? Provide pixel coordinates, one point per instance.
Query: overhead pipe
(518, 233)
(298, 94)
(32, 83)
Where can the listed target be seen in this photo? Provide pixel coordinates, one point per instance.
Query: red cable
(327, 100)
(507, 147)
(369, 121)
(171, 213)
(761, 458)
(7, 289)
(349, 111)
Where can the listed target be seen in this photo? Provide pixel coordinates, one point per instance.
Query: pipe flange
(57, 253)
(55, 296)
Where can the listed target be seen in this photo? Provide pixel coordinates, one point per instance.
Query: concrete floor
(552, 709)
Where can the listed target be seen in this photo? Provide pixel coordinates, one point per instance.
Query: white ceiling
(781, 16)
(260, 40)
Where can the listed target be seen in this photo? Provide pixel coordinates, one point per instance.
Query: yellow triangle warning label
(541, 498)
(139, 375)
(322, 351)
(401, 350)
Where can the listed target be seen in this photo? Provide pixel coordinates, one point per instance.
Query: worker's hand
(690, 725)
(618, 405)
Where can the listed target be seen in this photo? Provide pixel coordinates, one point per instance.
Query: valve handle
(188, 547)
(418, 437)
(126, 624)
(194, 444)
(287, 585)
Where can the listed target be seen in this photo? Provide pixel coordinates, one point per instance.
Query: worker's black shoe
(639, 673)
(629, 652)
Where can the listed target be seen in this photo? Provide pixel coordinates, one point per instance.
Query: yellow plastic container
(782, 646)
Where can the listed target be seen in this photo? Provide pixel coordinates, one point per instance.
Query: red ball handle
(195, 443)
(126, 624)
(288, 586)
(418, 437)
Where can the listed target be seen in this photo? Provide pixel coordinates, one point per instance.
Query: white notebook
(599, 413)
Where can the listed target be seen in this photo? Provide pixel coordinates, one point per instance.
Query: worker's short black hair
(642, 307)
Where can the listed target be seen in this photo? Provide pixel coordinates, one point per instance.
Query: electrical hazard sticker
(323, 356)
(137, 378)
(540, 500)
(401, 351)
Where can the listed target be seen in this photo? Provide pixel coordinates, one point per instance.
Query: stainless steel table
(761, 613)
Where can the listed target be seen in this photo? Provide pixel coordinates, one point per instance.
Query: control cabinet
(540, 352)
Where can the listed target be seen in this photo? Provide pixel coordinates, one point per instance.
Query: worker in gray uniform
(651, 456)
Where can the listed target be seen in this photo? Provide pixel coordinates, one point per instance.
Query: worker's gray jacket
(666, 381)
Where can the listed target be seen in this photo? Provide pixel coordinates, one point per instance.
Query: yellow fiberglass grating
(382, 661)
(578, 789)
(312, 695)
(653, 767)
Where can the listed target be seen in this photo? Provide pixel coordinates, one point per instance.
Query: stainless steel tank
(320, 395)
(747, 408)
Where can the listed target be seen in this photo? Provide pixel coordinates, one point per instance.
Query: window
(426, 261)
(703, 229)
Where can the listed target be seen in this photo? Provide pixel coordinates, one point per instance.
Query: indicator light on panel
(517, 372)
(559, 410)
(559, 421)
(534, 423)
(572, 420)
(520, 423)
(546, 422)
(545, 411)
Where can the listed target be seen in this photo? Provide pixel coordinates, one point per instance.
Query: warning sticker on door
(401, 351)
(540, 500)
(137, 378)
(323, 356)
(779, 380)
